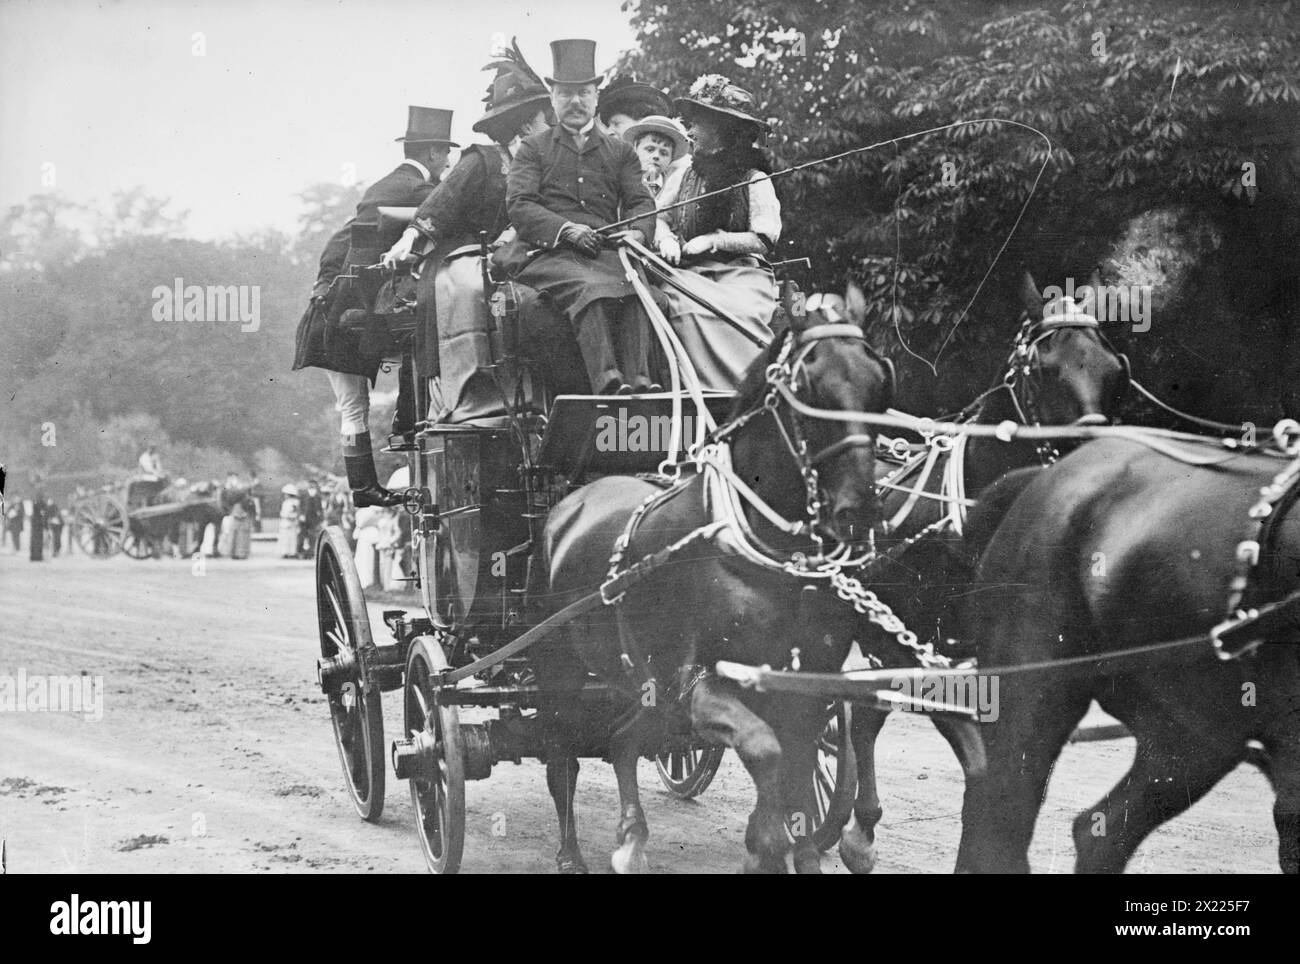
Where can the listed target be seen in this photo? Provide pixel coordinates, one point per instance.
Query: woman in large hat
(724, 240)
(471, 199)
(624, 101)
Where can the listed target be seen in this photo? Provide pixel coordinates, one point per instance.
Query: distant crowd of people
(43, 522)
(305, 509)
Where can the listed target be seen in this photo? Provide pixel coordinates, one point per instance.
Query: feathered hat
(515, 86)
(718, 95)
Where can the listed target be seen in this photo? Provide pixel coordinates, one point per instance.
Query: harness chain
(727, 489)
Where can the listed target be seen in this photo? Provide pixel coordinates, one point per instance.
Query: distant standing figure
(313, 517)
(14, 524)
(36, 538)
(287, 541)
(54, 522)
(237, 527)
(151, 463)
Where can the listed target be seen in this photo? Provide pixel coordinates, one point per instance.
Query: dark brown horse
(714, 599)
(1061, 371)
(1116, 546)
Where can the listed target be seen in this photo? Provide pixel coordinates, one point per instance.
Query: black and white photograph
(651, 437)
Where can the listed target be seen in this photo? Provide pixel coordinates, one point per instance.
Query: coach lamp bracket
(418, 503)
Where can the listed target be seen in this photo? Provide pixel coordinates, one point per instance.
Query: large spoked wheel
(835, 780)
(345, 648)
(140, 547)
(100, 525)
(438, 772)
(686, 773)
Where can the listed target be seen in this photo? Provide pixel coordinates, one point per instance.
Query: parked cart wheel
(835, 781)
(140, 546)
(346, 649)
(100, 525)
(433, 759)
(686, 773)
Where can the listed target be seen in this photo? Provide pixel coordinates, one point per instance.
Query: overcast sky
(288, 92)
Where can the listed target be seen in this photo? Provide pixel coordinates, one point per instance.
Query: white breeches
(352, 399)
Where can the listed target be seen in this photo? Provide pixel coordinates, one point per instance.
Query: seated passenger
(658, 142)
(624, 101)
(724, 240)
(564, 184)
(472, 198)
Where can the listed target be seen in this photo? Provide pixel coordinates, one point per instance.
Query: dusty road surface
(214, 753)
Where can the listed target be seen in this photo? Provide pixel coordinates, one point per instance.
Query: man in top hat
(472, 197)
(564, 184)
(624, 101)
(320, 343)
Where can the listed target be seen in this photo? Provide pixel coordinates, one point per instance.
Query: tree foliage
(86, 354)
(1149, 105)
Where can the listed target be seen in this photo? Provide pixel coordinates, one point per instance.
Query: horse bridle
(783, 376)
(1024, 363)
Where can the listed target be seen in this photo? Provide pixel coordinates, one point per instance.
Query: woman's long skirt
(743, 288)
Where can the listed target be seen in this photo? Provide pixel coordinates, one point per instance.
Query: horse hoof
(808, 862)
(754, 864)
(857, 852)
(571, 865)
(629, 859)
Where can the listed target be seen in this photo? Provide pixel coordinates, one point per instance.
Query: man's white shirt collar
(419, 167)
(584, 131)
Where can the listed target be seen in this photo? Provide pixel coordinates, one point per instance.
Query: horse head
(1062, 369)
(832, 368)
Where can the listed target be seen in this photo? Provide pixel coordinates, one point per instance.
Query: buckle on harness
(1224, 649)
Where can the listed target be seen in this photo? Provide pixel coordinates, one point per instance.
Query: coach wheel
(835, 780)
(433, 758)
(345, 647)
(686, 773)
(139, 547)
(101, 525)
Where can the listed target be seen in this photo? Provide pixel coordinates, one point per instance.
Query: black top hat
(515, 86)
(623, 93)
(428, 125)
(575, 62)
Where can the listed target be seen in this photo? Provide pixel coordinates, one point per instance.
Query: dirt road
(214, 753)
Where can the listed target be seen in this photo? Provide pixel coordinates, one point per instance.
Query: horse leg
(560, 677)
(633, 831)
(1165, 780)
(858, 840)
(1285, 771)
(1001, 806)
(719, 716)
(797, 725)
(562, 781)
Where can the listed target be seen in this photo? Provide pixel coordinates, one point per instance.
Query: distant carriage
(497, 449)
(137, 518)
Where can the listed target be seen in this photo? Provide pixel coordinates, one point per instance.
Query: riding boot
(359, 461)
(404, 412)
(594, 339)
(632, 338)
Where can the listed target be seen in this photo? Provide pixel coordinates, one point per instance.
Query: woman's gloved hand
(670, 249)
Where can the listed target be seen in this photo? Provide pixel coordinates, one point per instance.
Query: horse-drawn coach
(494, 452)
